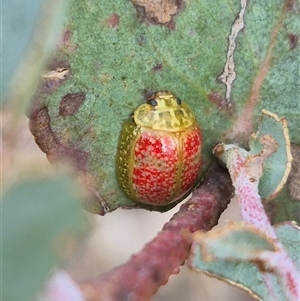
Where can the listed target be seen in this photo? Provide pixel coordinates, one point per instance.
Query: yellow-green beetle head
(164, 111)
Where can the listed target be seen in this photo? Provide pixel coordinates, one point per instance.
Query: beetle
(159, 151)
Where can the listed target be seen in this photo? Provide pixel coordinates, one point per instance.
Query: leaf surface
(234, 268)
(114, 58)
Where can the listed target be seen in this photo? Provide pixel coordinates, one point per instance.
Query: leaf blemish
(70, 103)
(293, 41)
(158, 67)
(228, 75)
(217, 99)
(113, 21)
(292, 6)
(158, 12)
(57, 150)
(66, 43)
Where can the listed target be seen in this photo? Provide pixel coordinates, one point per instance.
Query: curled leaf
(276, 167)
(236, 241)
(294, 178)
(247, 270)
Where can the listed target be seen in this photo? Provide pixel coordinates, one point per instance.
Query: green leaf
(18, 22)
(39, 219)
(30, 32)
(114, 58)
(283, 208)
(245, 274)
(286, 205)
(276, 167)
(234, 242)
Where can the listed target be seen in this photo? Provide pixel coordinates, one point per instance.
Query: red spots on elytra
(191, 158)
(166, 164)
(155, 167)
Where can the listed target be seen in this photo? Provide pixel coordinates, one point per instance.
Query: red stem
(145, 272)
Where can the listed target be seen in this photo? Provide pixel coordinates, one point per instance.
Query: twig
(245, 170)
(145, 272)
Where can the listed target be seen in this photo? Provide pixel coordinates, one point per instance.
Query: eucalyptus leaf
(235, 242)
(18, 21)
(115, 57)
(38, 219)
(248, 275)
(277, 167)
(30, 32)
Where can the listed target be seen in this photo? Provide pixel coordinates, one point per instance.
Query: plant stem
(145, 272)
(253, 213)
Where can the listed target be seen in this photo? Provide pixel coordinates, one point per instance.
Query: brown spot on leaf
(57, 152)
(70, 103)
(294, 177)
(46, 141)
(113, 21)
(158, 67)
(217, 99)
(39, 120)
(66, 38)
(293, 41)
(39, 128)
(292, 6)
(66, 43)
(158, 12)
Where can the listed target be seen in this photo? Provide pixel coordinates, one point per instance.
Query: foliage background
(115, 84)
